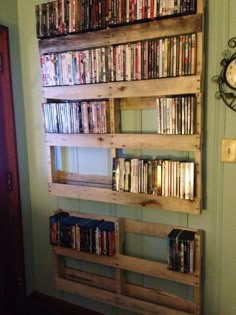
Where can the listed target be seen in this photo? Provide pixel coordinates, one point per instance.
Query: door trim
(14, 231)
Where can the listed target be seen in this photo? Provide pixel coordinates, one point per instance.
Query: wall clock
(226, 80)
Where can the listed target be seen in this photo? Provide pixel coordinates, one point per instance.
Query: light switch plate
(228, 150)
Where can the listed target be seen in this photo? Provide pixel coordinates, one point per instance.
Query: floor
(39, 304)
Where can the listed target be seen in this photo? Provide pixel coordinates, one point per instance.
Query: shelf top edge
(132, 140)
(128, 198)
(122, 220)
(140, 88)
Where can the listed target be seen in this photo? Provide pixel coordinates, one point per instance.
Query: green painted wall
(217, 218)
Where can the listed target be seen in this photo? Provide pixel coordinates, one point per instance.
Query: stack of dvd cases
(82, 234)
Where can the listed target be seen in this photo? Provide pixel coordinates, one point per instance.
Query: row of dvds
(176, 115)
(126, 11)
(157, 177)
(75, 117)
(148, 59)
(71, 16)
(82, 234)
(181, 247)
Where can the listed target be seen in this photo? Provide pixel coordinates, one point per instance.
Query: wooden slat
(134, 264)
(124, 225)
(124, 34)
(200, 6)
(119, 246)
(58, 265)
(112, 120)
(92, 279)
(120, 281)
(199, 112)
(155, 87)
(150, 228)
(130, 199)
(52, 174)
(198, 266)
(120, 301)
(85, 180)
(198, 174)
(150, 201)
(117, 116)
(135, 291)
(156, 269)
(118, 221)
(200, 54)
(80, 192)
(198, 250)
(161, 298)
(126, 141)
(138, 103)
(101, 259)
(119, 236)
(85, 290)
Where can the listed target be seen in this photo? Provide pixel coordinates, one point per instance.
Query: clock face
(230, 74)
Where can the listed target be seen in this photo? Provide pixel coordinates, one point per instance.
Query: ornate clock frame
(226, 92)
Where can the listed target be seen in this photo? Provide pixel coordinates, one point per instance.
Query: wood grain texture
(137, 200)
(126, 141)
(124, 34)
(143, 88)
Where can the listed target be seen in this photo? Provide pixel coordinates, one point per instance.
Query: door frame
(14, 231)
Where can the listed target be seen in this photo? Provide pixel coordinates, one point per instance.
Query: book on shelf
(156, 58)
(181, 250)
(176, 115)
(159, 177)
(87, 235)
(134, 175)
(54, 226)
(127, 175)
(172, 249)
(61, 17)
(82, 234)
(187, 179)
(76, 117)
(67, 232)
(115, 174)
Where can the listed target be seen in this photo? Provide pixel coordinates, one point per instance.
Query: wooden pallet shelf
(99, 188)
(121, 96)
(118, 291)
(135, 200)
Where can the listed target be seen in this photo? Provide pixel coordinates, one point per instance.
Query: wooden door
(12, 288)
